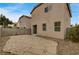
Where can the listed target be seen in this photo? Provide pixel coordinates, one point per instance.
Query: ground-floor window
(57, 26)
(44, 27)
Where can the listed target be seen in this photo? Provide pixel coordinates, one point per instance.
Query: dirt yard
(63, 47)
(68, 48)
(28, 44)
(3, 41)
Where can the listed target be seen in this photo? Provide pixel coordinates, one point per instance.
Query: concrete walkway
(28, 44)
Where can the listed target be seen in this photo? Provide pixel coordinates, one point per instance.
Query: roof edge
(25, 16)
(68, 5)
(36, 7)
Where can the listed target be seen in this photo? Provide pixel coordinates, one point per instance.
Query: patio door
(34, 29)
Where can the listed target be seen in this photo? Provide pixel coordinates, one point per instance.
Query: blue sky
(75, 13)
(14, 10)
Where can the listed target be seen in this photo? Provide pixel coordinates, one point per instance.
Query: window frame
(57, 26)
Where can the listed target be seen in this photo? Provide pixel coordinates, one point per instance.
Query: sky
(75, 13)
(14, 10)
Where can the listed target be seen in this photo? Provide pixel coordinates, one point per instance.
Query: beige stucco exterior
(24, 21)
(58, 12)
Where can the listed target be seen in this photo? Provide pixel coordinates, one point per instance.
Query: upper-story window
(46, 10)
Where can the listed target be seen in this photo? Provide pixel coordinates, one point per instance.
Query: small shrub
(73, 34)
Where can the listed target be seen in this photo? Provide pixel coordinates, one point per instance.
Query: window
(57, 26)
(46, 9)
(44, 27)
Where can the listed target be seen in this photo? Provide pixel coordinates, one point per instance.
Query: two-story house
(51, 19)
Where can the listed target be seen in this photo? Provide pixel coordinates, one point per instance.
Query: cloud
(12, 16)
(13, 12)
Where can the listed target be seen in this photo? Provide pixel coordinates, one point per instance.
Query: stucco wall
(58, 12)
